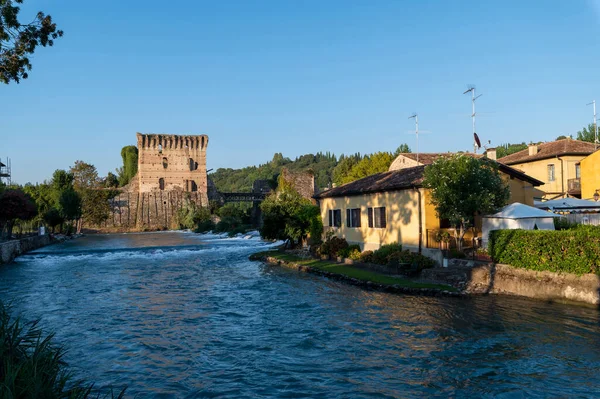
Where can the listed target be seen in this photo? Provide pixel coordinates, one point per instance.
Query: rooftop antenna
(595, 125)
(473, 98)
(416, 131)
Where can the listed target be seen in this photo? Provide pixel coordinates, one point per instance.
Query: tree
(129, 154)
(561, 137)
(369, 165)
(53, 218)
(462, 186)
(69, 205)
(111, 180)
(95, 208)
(61, 180)
(402, 149)
(15, 205)
(588, 133)
(504, 150)
(288, 216)
(18, 41)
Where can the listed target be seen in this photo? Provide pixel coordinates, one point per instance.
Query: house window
(577, 171)
(335, 218)
(377, 217)
(551, 176)
(445, 223)
(353, 217)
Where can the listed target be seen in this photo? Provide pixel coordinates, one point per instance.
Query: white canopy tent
(569, 205)
(517, 216)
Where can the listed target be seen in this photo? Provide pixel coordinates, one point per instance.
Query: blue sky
(298, 77)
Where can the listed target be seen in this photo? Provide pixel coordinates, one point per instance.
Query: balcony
(574, 186)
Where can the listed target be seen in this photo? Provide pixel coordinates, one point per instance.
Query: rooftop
(549, 150)
(403, 179)
(385, 181)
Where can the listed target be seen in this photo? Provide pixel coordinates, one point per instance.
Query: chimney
(490, 153)
(533, 149)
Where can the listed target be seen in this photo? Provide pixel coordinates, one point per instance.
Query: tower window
(161, 183)
(165, 162)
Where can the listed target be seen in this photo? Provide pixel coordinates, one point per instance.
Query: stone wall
(11, 249)
(488, 278)
(149, 210)
(303, 182)
(172, 163)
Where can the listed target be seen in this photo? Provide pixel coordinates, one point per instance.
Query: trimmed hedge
(570, 251)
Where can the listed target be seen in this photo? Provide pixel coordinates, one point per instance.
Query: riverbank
(458, 279)
(9, 250)
(355, 275)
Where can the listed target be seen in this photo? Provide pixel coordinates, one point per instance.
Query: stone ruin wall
(303, 182)
(171, 162)
(171, 172)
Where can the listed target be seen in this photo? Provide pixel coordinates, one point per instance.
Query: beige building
(556, 163)
(394, 207)
(590, 177)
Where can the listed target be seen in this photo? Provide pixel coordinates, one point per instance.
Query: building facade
(556, 163)
(393, 207)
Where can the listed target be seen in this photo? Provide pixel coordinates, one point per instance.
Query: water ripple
(182, 315)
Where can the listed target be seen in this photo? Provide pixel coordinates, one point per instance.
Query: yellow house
(556, 163)
(590, 176)
(394, 207)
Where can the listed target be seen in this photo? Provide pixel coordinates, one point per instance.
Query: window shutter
(331, 218)
(348, 224)
(370, 216)
(382, 220)
(357, 217)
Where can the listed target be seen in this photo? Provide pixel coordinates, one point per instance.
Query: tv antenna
(595, 125)
(473, 98)
(416, 117)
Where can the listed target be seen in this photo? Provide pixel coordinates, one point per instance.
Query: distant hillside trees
(588, 133)
(504, 150)
(125, 173)
(327, 168)
(369, 165)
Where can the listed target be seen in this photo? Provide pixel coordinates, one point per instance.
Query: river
(175, 314)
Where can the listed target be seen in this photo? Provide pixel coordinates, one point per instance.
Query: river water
(182, 315)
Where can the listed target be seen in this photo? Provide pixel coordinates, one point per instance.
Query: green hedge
(570, 251)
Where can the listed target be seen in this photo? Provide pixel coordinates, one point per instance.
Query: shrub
(366, 257)
(333, 246)
(382, 255)
(349, 251)
(32, 365)
(570, 251)
(564, 224)
(205, 226)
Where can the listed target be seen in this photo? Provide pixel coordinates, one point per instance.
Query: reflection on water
(183, 315)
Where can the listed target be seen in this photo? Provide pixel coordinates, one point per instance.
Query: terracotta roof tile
(549, 150)
(385, 181)
(403, 179)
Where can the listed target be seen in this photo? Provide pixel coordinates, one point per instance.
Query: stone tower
(168, 162)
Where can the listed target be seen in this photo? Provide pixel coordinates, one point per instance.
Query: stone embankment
(9, 250)
(490, 278)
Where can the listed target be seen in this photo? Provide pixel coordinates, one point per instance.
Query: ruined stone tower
(171, 174)
(169, 162)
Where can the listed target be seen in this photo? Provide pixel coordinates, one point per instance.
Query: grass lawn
(351, 271)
